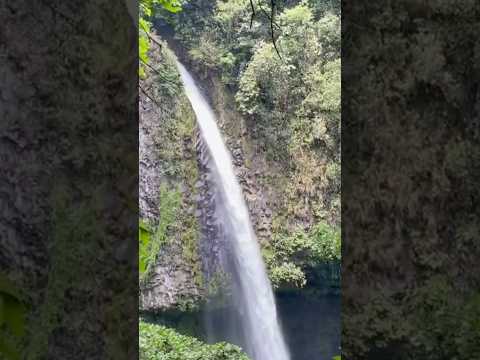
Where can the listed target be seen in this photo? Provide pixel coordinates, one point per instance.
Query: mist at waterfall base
(257, 327)
(310, 323)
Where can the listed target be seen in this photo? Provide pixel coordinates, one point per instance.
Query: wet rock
(171, 279)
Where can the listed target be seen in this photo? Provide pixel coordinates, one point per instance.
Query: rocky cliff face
(211, 241)
(150, 162)
(180, 278)
(167, 158)
(249, 161)
(172, 281)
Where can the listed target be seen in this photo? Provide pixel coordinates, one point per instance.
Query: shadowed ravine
(261, 335)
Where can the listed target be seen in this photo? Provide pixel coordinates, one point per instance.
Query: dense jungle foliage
(157, 342)
(286, 87)
(280, 78)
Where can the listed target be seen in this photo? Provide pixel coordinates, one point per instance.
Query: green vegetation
(290, 107)
(283, 93)
(144, 238)
(12, 319)
(280, 101)
(160, 343)
(289, 254)
(146, 10)
(151, 239)
(163, 82)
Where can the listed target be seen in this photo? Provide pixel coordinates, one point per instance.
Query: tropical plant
(290, 255)
(160, 343)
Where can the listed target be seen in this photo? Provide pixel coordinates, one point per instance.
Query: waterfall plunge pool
(310, 324)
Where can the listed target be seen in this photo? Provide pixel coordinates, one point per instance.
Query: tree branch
(153, 39)
(151, 67)
(272, 4)
(253, 13)
(267, 15)
(271, 18)
(148, 96)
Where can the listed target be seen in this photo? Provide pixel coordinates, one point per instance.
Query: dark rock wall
(212, 244)
(175, 279)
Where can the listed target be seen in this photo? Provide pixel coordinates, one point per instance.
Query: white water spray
(252, 288)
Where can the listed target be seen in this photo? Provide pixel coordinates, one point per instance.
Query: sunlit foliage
(160, 343)
(146, 10)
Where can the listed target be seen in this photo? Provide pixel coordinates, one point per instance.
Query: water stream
(252, 292)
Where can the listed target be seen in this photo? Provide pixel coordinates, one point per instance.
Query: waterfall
(253, 294)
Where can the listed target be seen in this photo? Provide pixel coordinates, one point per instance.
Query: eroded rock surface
(174, 279)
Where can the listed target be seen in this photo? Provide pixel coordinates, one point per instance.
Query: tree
(146, 9)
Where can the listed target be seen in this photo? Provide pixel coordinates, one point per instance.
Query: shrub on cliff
(291, 254)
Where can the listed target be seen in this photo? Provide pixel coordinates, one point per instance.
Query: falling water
(252, 289)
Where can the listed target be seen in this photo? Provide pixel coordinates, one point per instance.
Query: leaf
(143, 240)
(144, 25)
(143, 47)
(8, 351)
(172, 6)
